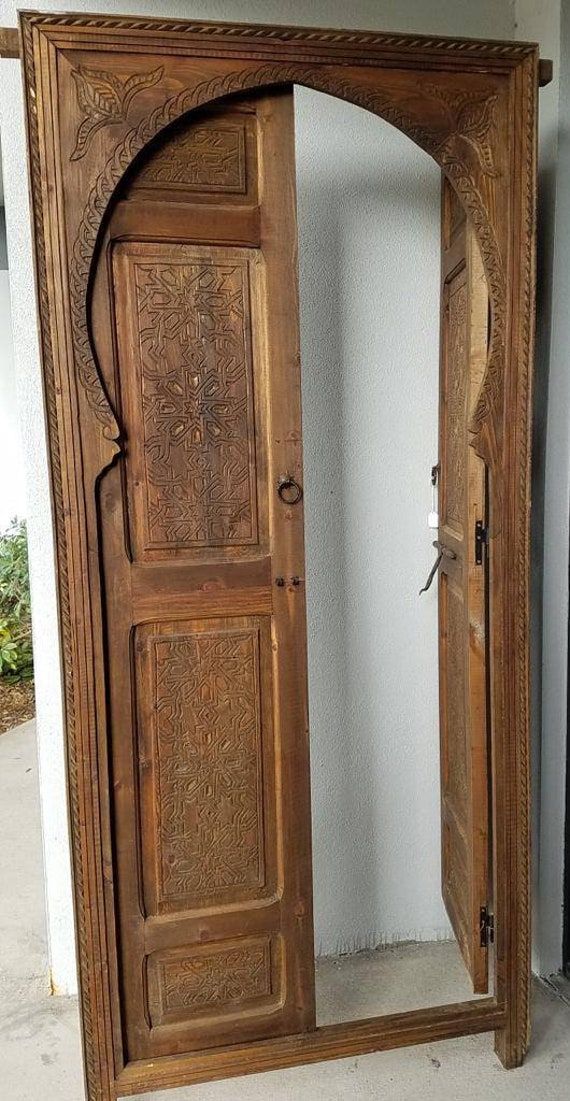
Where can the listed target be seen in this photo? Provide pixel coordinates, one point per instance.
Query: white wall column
(540, 20)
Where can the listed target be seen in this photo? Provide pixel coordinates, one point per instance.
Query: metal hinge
(480, 541)
(486, 927)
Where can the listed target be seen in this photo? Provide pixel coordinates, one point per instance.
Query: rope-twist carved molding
(251, 32)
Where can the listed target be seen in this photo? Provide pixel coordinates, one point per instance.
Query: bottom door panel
(206, 760)
(212, 984)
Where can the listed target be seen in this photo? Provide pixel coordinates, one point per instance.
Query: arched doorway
(460, 114)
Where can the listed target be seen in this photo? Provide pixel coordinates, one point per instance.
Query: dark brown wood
(207, 711)
(462, 591)
(123, 83)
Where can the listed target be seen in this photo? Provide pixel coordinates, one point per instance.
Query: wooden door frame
(472, 106)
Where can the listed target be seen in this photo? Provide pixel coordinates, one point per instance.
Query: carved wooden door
(195, 323)
(462, 588)
(170, 364)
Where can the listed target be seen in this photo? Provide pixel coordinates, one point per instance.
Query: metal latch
(486, 927)
(480, 541)
(442, 552)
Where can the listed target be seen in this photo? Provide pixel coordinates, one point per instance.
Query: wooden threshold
(336, 1041)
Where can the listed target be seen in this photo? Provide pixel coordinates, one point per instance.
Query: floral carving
(469, 117)
(208, 760)
(196, 404)
(105, 99)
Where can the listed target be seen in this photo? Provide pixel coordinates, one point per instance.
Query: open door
(462, 594)
(168, 308)
(194, 316)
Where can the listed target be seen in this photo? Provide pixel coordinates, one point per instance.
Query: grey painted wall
(12, 491)
(551, 482)
(3, 246)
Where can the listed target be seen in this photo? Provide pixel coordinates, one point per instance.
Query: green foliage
(16, 659)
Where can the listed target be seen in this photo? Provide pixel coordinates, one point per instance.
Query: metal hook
(442, 552)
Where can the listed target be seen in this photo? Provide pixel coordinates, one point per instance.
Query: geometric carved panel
(457, 393)
(200, 158)
(208, 787)
(188, 983)
(195, 398)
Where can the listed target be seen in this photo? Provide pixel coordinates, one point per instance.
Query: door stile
(287, 526)
(509, 590)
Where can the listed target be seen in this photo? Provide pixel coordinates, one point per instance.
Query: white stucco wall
(38, 509)
(369, 224)
(369, 232)
(12, 493)
(556, 543)
(3, 248)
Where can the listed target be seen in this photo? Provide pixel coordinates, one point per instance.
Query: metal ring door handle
(289, 490)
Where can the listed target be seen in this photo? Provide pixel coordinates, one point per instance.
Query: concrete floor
(39, 1035)
(390, 980)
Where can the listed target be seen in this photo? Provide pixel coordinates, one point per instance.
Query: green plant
(16, 660)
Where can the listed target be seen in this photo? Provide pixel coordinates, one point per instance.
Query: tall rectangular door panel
(203, 567)
(462, 599)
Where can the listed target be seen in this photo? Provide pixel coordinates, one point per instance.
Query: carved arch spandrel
(455, 126)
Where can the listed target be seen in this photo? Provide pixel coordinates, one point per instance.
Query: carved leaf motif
(98, 92)
(86, 129)
(474, 120)
(471, 116)
(105, 99)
